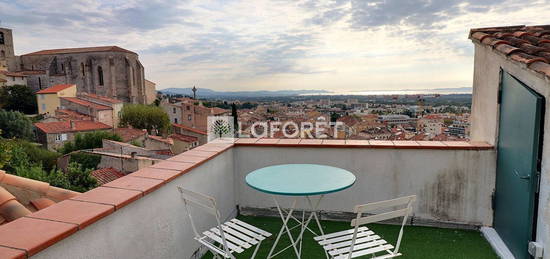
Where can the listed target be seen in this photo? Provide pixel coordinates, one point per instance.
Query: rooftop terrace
(141, 215)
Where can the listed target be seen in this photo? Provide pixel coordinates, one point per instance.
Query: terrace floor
(418, 242)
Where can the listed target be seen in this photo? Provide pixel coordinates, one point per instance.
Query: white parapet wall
(155, 226)
(453, 186)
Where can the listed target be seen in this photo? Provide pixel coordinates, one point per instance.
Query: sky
(233, 45)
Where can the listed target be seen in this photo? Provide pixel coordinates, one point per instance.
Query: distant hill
(204, 92)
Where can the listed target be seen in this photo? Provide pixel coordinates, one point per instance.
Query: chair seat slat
(253, 228)
(243, 230)
(365, 252)
(357, 247)
(348, 243)
(231, 238)
(240, 235)
(339, 233)
(344, 238)
(218, 239)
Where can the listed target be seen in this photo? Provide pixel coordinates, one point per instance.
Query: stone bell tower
(7, 55)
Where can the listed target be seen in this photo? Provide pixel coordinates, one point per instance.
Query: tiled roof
(79, 50)
(8, 73)
(33, 72)
(525, 44)
(55, 89)
(86, 103)
(129, 134)
(20, 196)
(161, 139)
(106, 175)
(185, 138)
(63, 114)
(189, 128)
(65, 126)
(102, 98)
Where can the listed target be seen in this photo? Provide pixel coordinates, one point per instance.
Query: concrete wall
(452, 185)
(484, 118)
(155, 226)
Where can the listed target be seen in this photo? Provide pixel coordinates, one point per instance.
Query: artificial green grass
(418, 242)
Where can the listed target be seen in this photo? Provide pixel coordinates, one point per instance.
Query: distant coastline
(459, 90)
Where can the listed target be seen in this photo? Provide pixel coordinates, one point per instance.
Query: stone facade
(106, 71)
(7, 55)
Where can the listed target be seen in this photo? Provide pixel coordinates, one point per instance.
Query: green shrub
(88, 141)
(147, 117)
(14, 124)
(89, 161)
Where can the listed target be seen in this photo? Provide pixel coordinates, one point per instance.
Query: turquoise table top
(300, 179)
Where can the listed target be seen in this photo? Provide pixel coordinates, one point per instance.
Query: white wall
(155, 226)
(452, 185)
(484, 118)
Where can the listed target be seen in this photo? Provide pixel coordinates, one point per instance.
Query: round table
(299, 180)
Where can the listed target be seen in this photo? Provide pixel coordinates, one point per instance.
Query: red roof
(63, 114)
(86, 103)
(184, 138)
(79, 50)
(189, 128)
(106, 175)
(161, 139)
(529, 45)
(55, 89)
(102, 98)
(128, 134)
(65, 126)
(7, 73)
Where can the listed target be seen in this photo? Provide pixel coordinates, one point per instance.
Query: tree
(235, 116)
(15, 125)
(80, 178)
(18, 98)
(88, 141)
(146, 117)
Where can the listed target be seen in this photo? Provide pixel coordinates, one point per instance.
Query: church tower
(7, 55)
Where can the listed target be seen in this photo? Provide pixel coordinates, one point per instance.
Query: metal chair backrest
(206, 204)
(405, 204)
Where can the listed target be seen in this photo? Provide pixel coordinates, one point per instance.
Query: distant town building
(395, 119)
(48, 99)
(52, 135)
(14, 78)
(191, 113)
(106, 70)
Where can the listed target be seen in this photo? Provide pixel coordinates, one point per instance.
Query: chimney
(133, 155)
(73, 124)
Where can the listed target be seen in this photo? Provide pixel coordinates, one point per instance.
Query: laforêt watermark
(226, 127)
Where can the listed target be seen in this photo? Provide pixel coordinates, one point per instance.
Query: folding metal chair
(361, 241)
(233, 236)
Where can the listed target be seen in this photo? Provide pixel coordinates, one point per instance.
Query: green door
(517, 161)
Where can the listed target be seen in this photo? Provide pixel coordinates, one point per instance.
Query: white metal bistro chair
(233, 236)
(361, 241)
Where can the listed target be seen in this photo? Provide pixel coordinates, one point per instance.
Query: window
(1, 38)
(82, 70)
(63, 68)
(175, 120)
(173, 110)
(100, 75)
(42, 96)
(2, 54)
(61, 137)
(39, 83)
(188, 107)
(189, 117)
(43, 107)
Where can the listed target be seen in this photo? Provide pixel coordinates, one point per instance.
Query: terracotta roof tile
(74, 212)
(79, 50)
(525, 44)
(129, 134)
(11, 253)
(54, 89)
(188, 128)
(86, 103)
(105, 175)
(65, 126)
(128, 182)
(111, 196)
(161, 139)
(102, 98)
(44, 233)
(184, 138)
(15, 74)
(42, 203)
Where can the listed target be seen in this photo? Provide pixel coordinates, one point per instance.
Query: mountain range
(205, 92)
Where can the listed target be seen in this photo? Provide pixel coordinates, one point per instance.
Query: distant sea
(460, 90)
